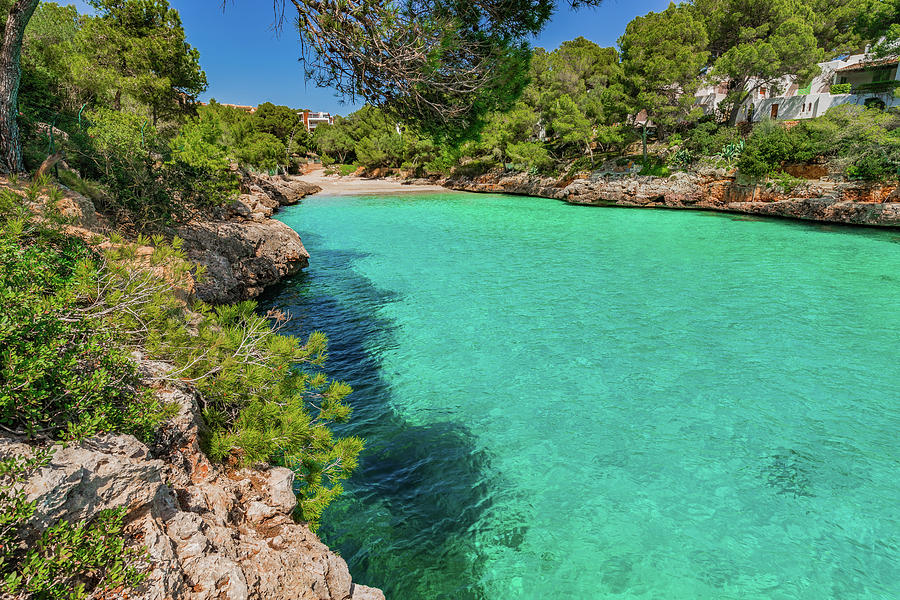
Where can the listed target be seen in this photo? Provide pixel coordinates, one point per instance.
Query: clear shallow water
(570, 402)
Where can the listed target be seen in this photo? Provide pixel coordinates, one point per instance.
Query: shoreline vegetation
(160, 437)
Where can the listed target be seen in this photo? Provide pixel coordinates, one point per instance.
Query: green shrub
(70, 561)
(732, 151)
(73, 316)
(122, 152)
(768, 147)
(655, 168)
(840, 88)
(529, 155)
(708, 138)
(61, 372)
(262, 151)
(787, 182)
(87, 188)
(199, 167)
(682, 159)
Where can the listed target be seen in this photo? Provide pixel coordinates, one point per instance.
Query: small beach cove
(561, 402)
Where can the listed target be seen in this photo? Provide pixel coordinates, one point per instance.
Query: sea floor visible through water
(568, 402)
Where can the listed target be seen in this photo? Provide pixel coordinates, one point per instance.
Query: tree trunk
(10, 75)
(644, 139)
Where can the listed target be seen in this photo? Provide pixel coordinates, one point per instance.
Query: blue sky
(246, 62)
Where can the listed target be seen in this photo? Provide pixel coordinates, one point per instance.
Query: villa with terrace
(855, 79)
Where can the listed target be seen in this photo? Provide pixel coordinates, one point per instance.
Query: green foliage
(787, 182)
(62, 373)
(708, 138)
(864, 142)
(121, 152)
(200, 160)
(530, 155)
(682, 159)
(767, 149)
(880, 22)
(75, 315)
(840, 88)
(70, 561)
(755, 44)
(334, 141)
(262, 151)
(732, 151)
(662, 57)
(89, 189)
(260, 406)
(139, 47)
(655, 168)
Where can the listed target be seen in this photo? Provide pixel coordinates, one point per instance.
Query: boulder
(209, 533)
(242, 257)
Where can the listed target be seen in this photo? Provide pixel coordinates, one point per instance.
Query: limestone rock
(242, 249)
(817, 200)
(209, 533)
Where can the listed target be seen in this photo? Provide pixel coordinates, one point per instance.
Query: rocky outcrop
(240, 246)
(816, 200)
(209, 532)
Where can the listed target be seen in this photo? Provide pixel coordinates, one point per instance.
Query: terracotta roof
(870, 64)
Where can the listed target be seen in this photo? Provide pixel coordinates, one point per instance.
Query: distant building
(871, 83)
(314, 119)
(246, 109)
(310, 119)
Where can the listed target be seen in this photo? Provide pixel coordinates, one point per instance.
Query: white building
(313, 119)
(872, 83)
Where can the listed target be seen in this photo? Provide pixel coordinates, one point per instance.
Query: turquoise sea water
(570, 402)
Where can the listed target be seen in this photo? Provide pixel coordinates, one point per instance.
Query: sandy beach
(335, 185)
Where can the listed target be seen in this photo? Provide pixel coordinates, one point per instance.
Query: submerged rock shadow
(408, 519)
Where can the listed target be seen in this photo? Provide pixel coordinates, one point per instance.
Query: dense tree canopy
(663, 55)
(755, 44)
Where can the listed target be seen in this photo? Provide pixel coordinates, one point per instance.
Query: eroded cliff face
(211, 532)
(241, 247)
(816, 200)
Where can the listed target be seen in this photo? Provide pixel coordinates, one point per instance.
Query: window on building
(843, 80)
(762, 92)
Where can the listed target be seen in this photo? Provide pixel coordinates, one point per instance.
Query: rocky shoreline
(243, 249)
(211, 531)
(815, 200)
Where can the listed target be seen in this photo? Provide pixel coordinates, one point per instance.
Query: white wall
(816, 105)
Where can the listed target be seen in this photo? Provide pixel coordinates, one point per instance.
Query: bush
(70, 561)
(75, 315)
(708, 138)
(787, 182)
(199, 167)
(262, 151)
(840, 88)
(682, 159)
(123, 151)
(768, 147)
(655, 168)
(62, 373)
(529, 155)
